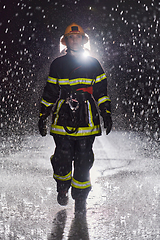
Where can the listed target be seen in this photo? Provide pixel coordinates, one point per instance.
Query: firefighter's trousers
(71, 162)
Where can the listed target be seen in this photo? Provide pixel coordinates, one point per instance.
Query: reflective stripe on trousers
(80, 185)
(74, 182)
(63, 178)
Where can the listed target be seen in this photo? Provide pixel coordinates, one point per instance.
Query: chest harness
(75, 100)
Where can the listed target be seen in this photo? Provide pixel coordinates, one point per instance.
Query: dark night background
(124, 37)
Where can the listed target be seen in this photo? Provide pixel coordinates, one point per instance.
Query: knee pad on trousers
(61, 156)
(84, 159)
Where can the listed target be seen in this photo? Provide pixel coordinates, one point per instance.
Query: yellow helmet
(74, 29)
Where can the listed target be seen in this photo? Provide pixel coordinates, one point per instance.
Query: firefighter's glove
(107, 122)
(42, 125)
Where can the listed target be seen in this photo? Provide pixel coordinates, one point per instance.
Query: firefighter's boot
(62, 198)
(80, 206)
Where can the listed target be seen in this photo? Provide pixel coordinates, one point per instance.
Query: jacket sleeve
(100, 91)
(51, 91)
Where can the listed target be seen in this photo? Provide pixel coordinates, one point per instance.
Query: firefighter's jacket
(77, 87)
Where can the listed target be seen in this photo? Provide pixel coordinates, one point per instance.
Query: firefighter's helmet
(74, 29)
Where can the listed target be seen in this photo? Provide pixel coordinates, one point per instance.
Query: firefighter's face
(74, 42)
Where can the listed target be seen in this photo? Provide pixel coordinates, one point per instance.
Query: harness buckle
(73, 103)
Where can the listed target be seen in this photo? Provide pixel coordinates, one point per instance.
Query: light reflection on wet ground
(123, 204)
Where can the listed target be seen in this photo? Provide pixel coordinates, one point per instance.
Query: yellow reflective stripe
(76, 81)
(52, 80)
(63, 81)
(63, 178)
(80, 185)
(100, 77)
(47, 104)
(90, 117)
(60, 102)
(82, 131)
(103, 99)
(108, 111)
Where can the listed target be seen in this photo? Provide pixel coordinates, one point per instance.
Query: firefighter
(76, 94)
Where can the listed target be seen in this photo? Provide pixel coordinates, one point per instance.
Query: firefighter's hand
(107, 123)
(42, 125)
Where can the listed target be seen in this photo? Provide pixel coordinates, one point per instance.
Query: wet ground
(124, 202)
